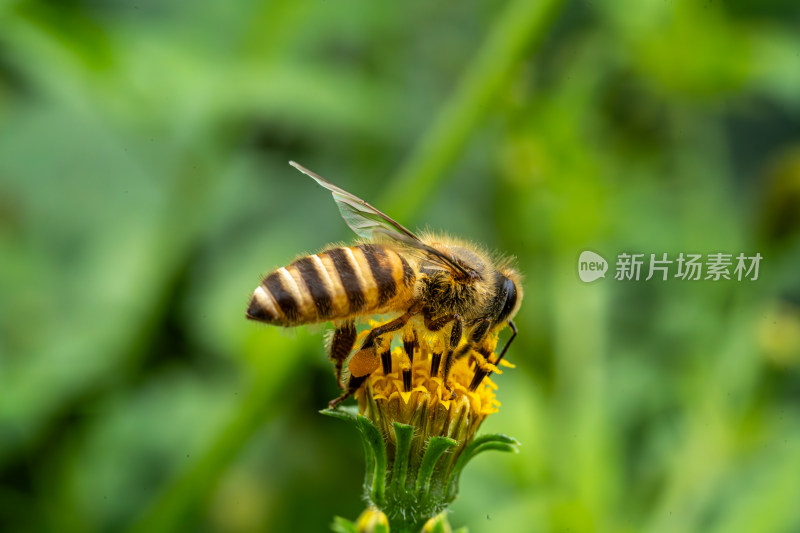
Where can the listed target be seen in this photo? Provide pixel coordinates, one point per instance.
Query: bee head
(508, 295)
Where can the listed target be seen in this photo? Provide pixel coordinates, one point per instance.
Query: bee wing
(362, 218)
(370, 223)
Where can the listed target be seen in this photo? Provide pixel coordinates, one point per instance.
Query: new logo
(591, 266)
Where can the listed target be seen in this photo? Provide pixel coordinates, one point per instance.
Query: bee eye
(510, 293)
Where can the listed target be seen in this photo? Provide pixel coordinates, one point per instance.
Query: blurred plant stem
(195, 484)
(519, 25)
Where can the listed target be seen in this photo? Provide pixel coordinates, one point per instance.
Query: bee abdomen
(278, 300)
(335, 284)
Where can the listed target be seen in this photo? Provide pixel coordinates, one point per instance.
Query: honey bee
(441, 280)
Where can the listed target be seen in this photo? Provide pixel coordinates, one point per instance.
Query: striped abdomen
(334, 284)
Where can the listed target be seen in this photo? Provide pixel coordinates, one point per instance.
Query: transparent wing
(362, 218)
(371, 223)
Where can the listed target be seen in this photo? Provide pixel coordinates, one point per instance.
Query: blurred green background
(144, 188)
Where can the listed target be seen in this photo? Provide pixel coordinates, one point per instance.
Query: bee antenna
(508, 342)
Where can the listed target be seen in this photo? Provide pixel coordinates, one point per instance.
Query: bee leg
(476, 337)
(342, 342)
(352, 386)
(383, 329)
(480, 331)
(480, 369)
(455, 338)
(435, 324)
(365, 360)
(480, 373)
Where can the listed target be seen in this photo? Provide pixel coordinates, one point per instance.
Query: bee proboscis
(444, 281)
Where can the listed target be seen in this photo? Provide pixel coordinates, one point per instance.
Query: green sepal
(376, 486)
(495, 441)
(374, 451)
(403, 434)
(342, 525)
(348, 413)
(436, 447)
(407, 483)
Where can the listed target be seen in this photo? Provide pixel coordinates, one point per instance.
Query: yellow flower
(372, 521)
(418, 431)
(427, 404)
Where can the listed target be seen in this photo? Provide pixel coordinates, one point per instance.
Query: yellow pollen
(456, 412)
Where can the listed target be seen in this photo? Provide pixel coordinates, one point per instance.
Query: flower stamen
(409, 343)
(436, 358)
(386, 361)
